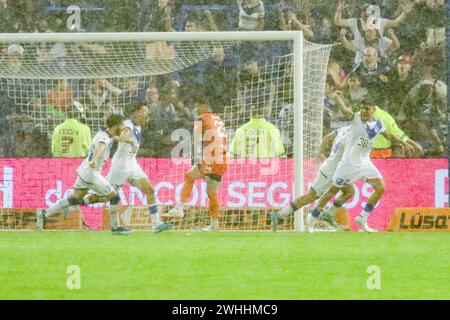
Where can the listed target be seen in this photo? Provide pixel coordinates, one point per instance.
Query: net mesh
(83, 60)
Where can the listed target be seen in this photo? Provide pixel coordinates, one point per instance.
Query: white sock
(364, 214)
(286, 211)
(57, 207)
(114, 216)
(214, 223)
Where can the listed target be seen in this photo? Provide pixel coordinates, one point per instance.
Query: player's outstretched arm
(101, 147)
(325, 145)
(346, 111)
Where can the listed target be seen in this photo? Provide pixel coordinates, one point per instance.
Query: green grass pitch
(177, 265)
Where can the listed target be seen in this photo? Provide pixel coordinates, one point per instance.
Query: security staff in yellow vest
(257, 138)
(382, 147)
(71, 139)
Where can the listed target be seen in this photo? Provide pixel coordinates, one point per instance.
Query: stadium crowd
(393, 50)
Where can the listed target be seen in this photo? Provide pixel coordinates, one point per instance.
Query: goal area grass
(227, 265)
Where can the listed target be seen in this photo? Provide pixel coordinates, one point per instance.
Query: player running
(323, 180)
(356, 163)
(90, 178)
(125, 168)
(213, 165)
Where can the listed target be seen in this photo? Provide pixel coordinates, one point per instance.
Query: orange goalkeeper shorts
(381, 153)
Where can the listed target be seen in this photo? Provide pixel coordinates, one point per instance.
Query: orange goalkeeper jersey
(215, 144)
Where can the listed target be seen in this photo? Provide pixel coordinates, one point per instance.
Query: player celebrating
(90, 178)
(124, 166)
(324, 178)
(356, 163)
(213, 165)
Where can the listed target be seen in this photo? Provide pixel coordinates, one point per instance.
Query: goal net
(99, 74)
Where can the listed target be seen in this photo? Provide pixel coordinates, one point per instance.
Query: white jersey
(324, 176)
(126, 153)
(337, 150)
(101, 137)
(360, 139)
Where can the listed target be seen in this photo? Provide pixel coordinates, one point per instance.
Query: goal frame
(298, 50)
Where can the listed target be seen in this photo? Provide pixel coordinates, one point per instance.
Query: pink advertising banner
(38, 183)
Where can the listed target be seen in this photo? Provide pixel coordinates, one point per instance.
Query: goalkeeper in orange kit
(214, 162)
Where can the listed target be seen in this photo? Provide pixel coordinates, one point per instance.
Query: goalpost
(117, 67)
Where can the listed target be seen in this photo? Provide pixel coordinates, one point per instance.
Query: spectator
(320, 25)
(14, 58)
(52, 53)
(220, 78)
(254, 87)
(61, 96)
(164, 120)
(369, 15)
(96, 96)
(333, 118)
(251, 15)
(336, 72)
(286, 125)
(200, 22)
(6, 16)
(291, 22)
(28, 139)
(160, 17)
(424, 115)
(436, 15)
(384, 45)
(374, 75)
(353, 91)
(156, 127)
(8, 112)
(183, 117)
(258, 138)
(401, 82)
(71, 139)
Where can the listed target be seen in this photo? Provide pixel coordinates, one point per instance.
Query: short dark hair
(135, 106)
(114, 120)
(369, 100)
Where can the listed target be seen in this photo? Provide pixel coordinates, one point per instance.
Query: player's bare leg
(361, 219)
(93, 198)
(189, 180)
(298, 203)
(212, 187)
(73, 199)
(348, 191)
(113, 199)
(145, 186)
(317, 212)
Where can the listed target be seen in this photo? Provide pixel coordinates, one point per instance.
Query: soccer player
(214, 162)
(90, 178)
(324, 178)
(124, 166)
(356, 163)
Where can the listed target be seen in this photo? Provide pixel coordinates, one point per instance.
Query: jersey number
(220, 128)
(363, 142)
